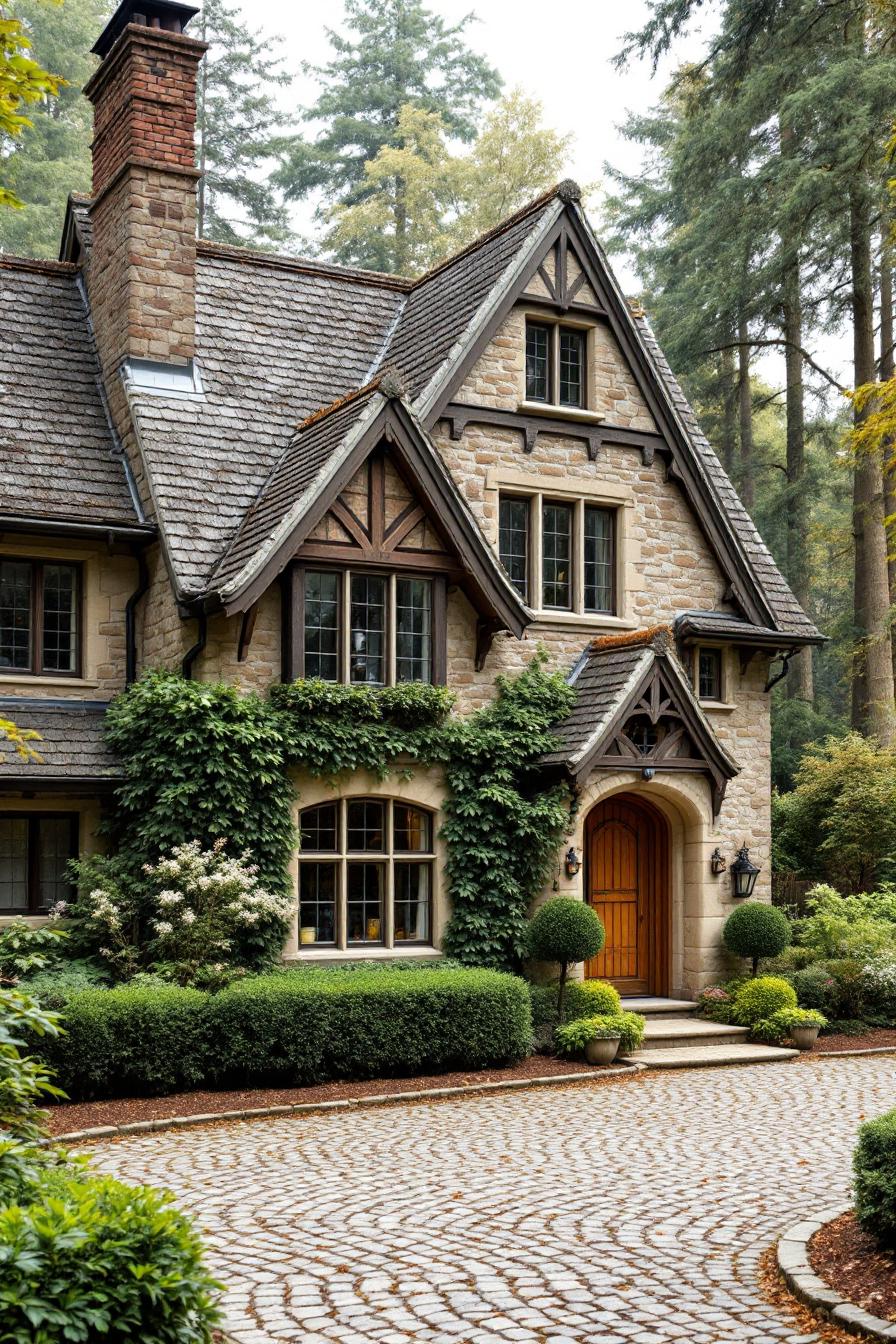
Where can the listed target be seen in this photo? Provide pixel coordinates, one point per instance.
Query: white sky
(560, 52)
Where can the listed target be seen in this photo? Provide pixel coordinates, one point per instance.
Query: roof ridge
(566, 190)
(39, 265)
(304, 265)
(323, 411)
(658, 636)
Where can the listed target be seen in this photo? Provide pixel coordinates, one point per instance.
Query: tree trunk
(745, 415)
(561, 995)
(799, 681)
(729, 411)
(872, 701)
(885, 370)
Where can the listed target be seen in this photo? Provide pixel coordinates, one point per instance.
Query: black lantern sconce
(717, 862)
(744, 873)
(572, 863)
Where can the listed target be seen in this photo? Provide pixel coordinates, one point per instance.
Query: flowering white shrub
(879, 985)
(207, 907)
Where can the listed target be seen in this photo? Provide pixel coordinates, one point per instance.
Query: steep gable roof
(620, 676)
(72, 744)
(325, 453)
(57, 452)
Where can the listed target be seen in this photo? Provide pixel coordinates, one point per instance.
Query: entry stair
(675, 1038)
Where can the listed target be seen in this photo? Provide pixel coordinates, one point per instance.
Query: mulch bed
(850, 1260)
(73, 1116)
(805, 1321)
(873, 1038)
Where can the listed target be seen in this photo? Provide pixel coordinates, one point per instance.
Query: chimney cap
(168, 15)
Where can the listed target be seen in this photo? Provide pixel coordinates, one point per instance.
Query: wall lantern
(572, 862)
(717, 862)
(648, 773)
(744, 873)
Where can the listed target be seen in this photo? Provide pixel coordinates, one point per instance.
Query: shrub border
(343, 1104)
(805, 1284)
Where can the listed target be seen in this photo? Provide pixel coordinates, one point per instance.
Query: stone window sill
(573, 413)
(25, 683)
(584, 619)
(721, 706)
(337, 954)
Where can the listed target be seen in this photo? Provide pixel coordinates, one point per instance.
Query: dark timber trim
(458, 415)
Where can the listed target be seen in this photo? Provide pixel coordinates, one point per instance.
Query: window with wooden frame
(557, 364)
(35, 850)
(709, 674)
(40, 622)
(561, 552)
(369, 628)
(365, 874)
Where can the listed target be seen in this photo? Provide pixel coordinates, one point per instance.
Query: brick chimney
(142, 272)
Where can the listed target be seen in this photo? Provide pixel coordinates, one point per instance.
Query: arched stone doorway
(627, 883)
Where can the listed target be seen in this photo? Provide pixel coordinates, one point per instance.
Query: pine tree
(398, 53)
(51, 157)
(237, 129)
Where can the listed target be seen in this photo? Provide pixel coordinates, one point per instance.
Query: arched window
(365, 873)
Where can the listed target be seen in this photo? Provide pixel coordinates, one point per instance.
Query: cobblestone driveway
(632, 1211)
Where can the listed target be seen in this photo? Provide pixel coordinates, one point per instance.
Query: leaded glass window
(413, 630)
(35, 851)
(513, 542)
(322, 625)
(376, 883)
(538, 377)
(599, 559)
(710, 674)
(556, 553)
(38, 617)
(572, 367)
(367, 632)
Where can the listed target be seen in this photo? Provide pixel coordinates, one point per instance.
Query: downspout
(130, 619)
(191, 655)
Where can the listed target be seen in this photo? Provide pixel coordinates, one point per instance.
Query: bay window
(39, 617)
(560, 555)
(369, 628)
(365, 874)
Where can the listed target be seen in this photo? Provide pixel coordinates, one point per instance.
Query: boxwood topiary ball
(565, 930)
(756, 930)
(760, 998)
(874, 1167)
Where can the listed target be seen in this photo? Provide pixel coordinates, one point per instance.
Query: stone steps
(675, 1038)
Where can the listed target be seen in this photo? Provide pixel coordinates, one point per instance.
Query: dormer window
(556, 363)
(39, 611)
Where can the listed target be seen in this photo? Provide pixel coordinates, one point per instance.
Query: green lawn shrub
(572, 1037)
(815, 988)
(134, 1040)
(289, 1030)
(779, 1027)
(567, 931)
(584, 998)
(756, 930)
(758, 999)
(90, 1259)
(874, 1184)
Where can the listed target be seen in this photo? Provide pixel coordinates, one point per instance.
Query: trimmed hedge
(288, 1030)
(584, 998)
(874, 1185)
(758, 999)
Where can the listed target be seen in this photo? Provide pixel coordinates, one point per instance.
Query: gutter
(191, 655)
(99, 531)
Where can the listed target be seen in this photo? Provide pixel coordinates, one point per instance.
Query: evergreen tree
(398, 53)
(51, 155)
(237, 129)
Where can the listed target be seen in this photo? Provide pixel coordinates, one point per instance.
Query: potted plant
(800, 1025)
(600, 1037)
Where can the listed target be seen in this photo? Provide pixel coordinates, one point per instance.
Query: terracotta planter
(602, 1051)
(804, 1037)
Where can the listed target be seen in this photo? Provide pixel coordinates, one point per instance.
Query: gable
(380, 518)
(561, 277)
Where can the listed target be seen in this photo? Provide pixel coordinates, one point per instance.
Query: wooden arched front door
(627, 884)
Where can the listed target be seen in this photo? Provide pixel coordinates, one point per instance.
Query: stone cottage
(256, 468)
